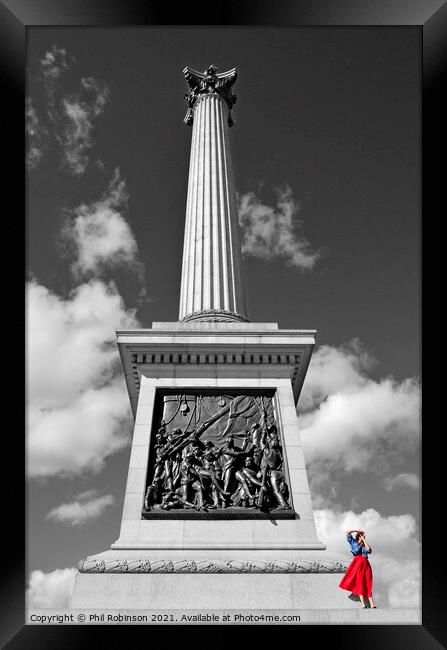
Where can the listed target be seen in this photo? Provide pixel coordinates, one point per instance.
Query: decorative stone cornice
(143, 565)
(227, 357)
(210, 349)
(209, 82)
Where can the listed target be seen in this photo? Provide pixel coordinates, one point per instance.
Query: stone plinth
(307, 585)
(209, 591)
(211, 580)
(223, 356)
(212, 357)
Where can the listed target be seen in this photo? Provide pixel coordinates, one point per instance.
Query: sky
(326, 150)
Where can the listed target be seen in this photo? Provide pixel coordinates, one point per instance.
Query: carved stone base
(200, 591)
(203, 579)
(143, 565)
(208, 561)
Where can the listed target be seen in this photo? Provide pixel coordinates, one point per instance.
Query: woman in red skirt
(358, 576)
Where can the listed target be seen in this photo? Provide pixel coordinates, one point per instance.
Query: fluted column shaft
(212, 275)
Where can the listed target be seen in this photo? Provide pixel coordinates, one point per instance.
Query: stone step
(379, 616)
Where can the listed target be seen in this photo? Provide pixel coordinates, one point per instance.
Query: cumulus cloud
(351, 421)
(78, 410)
(359, 426)
(387, 532)
(82, 508)
(66, 118)
(395, 557)
(270, 232)
(50, 590)
(98, 235)
(335, 369)
(71, 342)
(402, 480)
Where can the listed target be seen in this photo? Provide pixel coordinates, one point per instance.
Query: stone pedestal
(199, 591)
(212, 563)
(210, 356)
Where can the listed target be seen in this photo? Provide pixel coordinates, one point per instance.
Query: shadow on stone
(354, 598)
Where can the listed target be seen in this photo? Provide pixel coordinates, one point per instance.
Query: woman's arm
(348, 532)
(367, 546)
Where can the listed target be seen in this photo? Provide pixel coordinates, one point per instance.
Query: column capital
(209, 82)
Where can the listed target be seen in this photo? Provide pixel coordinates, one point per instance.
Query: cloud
(387, 532)
(78, 409)
(35, 136)
(362, 426)
(403, 480)
(50, 590)
(98, 235)
(54, 63)
(272, 232)
(88, 494)
(84, 507)
(351, 421)
(395, 557)
(335, 369)
(75, 122)
(66, 118)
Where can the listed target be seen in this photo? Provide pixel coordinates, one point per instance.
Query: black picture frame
(16, 16)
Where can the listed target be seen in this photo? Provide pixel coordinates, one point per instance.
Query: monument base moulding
(209, 587)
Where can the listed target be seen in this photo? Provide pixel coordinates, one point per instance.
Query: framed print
(223, 369)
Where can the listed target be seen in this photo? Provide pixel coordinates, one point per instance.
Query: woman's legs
(362, 600)
(371, 601)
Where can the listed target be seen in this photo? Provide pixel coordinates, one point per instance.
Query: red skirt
(358, 577)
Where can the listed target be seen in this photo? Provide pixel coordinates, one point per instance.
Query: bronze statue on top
(209, 81)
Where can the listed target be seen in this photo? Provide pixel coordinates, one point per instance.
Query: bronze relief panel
(216, 455)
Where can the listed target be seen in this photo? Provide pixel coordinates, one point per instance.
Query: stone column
(212, 286)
